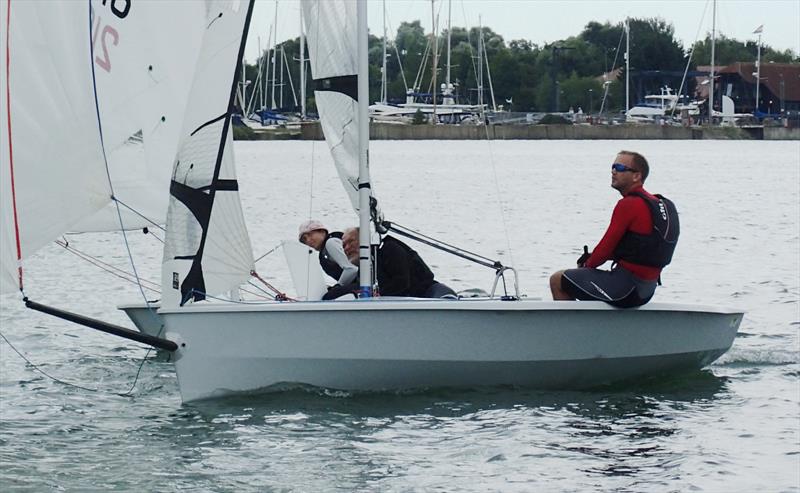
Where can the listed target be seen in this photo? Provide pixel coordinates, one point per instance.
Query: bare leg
(555, 287)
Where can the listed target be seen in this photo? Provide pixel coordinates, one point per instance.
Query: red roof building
(779, 91)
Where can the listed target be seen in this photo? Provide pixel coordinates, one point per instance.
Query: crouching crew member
(399, 269)
(331, 257)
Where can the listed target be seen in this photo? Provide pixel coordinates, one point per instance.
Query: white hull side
(387, 345)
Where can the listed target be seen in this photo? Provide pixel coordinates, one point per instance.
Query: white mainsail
(51, 148)
(333, 56)
(207, 247)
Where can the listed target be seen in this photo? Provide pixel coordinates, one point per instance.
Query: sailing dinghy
(372, 343)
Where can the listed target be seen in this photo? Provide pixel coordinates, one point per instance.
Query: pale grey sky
(543, 21)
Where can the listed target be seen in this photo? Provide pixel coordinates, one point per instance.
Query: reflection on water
(619, 431)
(701, 386)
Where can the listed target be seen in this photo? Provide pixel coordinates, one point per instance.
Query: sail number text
(106, 34)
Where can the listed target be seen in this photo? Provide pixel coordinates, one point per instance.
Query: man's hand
(583, 258)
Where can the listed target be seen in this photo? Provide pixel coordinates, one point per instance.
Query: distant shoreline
(388, 131)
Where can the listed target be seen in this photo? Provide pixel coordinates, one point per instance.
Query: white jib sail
(51, 145)
(333, 56)
(145, 54)
(207, 247)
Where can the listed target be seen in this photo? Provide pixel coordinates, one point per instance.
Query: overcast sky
(543, 21)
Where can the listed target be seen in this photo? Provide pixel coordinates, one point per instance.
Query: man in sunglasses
(640, 241)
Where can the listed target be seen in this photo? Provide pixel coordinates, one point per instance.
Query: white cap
(309, 226)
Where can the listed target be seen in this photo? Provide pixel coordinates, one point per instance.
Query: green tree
(728, 51)
(581, 92)
(530, 74)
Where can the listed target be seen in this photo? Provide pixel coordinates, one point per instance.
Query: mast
(289, 77)
(243, 94)
(435, 58)
(480, 64)
(627, 67)
(711, 79)
(302, 68)
(266, 60)
(488, 74)
(364, 191)
(449, 12)
(283, 61)
(274, 54)
(383, 72)
(758, 68)
(258, 79)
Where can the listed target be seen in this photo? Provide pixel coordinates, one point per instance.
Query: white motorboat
(224, 347)
(661, 106)
(444, 113)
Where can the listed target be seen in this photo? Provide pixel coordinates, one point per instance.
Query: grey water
(734, 426)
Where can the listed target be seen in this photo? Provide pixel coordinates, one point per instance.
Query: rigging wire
(38, 369)
(486, 125)
(436, 55)
(116, 271)
(113, 195)
(269, 252)
(399, 58)
(497, 192)
(471, 53)
(147, 231)
(691, 54)
(279, 295)
(613, 64)
(264, 294)
(453, 249)
(228, 300)
(151, 221)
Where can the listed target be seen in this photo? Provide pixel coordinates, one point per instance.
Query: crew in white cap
(331, 257)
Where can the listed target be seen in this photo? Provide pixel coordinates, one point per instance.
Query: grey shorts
(617, 287)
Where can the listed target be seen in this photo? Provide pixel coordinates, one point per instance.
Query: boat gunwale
(423, 304)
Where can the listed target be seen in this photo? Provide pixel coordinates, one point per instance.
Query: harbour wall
(388, 131)
(781, 133)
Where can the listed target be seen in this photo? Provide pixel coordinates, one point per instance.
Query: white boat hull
(407, 344)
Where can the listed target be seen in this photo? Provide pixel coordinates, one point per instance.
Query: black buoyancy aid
(329, 266)
(654, 249)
